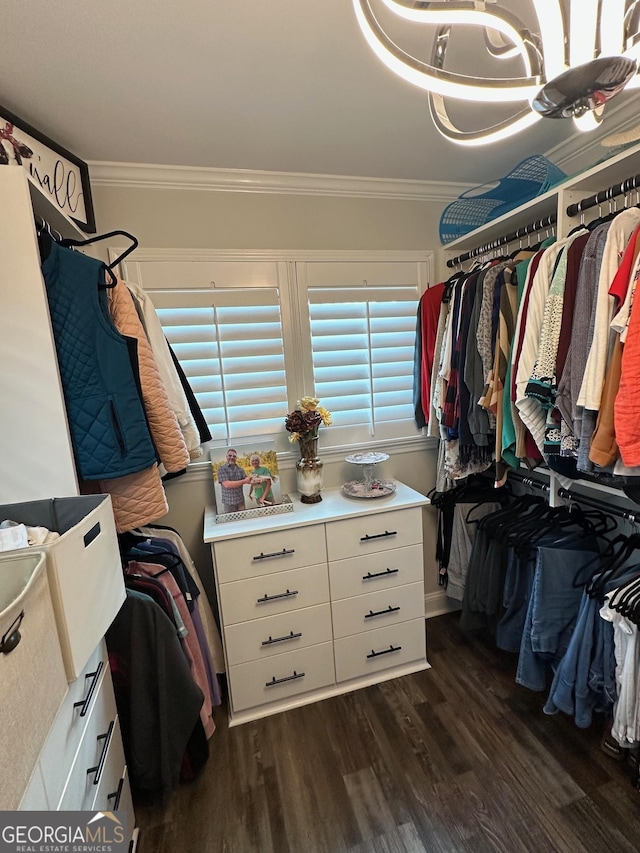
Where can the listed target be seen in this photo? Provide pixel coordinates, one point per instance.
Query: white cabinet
(82, 765)
(84, 573)
(326, 599)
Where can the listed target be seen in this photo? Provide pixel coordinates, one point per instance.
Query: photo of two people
(245, 478)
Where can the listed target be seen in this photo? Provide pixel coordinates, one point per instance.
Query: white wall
(201, 219)
(204, 219)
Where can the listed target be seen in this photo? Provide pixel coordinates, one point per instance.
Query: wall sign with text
(59, 175)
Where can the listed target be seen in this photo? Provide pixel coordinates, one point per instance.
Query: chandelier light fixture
(580, 55)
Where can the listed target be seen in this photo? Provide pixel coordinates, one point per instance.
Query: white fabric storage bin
(84, 569)
(32, 676)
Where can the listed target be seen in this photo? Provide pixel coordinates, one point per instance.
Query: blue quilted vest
(107, 421)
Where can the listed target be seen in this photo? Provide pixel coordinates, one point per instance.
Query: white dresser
(82, 765)
(319, 601)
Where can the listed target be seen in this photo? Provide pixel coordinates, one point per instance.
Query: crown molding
(149, 176)
(185, 255)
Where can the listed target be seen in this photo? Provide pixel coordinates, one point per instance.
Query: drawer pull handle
(84, 703)
(290, 636)
(103, 755)
(384, 651)
(282, 553)
(275, 680)
(384, 612)
(286, 594)
(366, 537)
(12, 635)
(384, 574)
(116, 795)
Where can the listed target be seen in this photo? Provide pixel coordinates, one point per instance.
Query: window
(362, 323)
(363, 353)
(253, 337)
(233, 358)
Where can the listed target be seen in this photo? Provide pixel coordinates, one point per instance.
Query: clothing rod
(529, 481)
(596, 504)
(532, 228)
(622, 188)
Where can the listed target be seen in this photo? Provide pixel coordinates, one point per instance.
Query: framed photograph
(57, 173)
(246, 481)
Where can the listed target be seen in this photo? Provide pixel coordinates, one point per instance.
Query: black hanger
(625, 599)
(47, 236)
(616, 566)
(90, 240)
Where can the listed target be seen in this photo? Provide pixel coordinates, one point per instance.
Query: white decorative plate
(370, 458)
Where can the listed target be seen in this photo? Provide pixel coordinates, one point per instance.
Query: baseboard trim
(437, 604)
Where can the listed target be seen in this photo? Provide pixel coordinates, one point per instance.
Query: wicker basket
(530, 178)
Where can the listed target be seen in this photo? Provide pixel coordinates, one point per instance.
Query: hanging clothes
(170, 379)
(211, 630)
(163, 424)
(106, 417)
(158, 701)
(190, 641)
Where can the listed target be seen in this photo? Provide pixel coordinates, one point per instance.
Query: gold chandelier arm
(436, 79)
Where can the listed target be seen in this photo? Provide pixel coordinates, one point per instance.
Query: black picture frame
(54, 184)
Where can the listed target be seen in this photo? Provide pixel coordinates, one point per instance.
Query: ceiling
(285, 86)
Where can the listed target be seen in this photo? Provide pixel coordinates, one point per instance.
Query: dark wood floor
(457, 758)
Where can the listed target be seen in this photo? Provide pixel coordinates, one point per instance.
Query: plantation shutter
(223, 322)
(233, 357)
(362, 324)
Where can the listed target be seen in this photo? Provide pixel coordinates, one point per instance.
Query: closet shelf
(604, 174)
(527, 213)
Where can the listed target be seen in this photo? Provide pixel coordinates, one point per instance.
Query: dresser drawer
(254, 598)
(373, 651)
(269, 552)
(371, 572)
(377, 609)
(90, 760)
(281, 676)
(106, 792)
(35, 797)
(373, 532)
(274, 635)
(69, 725)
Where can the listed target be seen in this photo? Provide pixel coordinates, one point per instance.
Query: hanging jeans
(552, 611)
(584, 680)
(518, 583)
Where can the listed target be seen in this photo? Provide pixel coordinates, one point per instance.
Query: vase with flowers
(303, 425)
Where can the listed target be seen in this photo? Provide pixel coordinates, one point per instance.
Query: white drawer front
(294, 673)
(241, 601)
(69, 725)
(81, 786)
(372, 651)
(371, 572)
(107, 790)
(377, 609)
(274, 635)
(269, 552)
(35, 797)
(373, 532)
